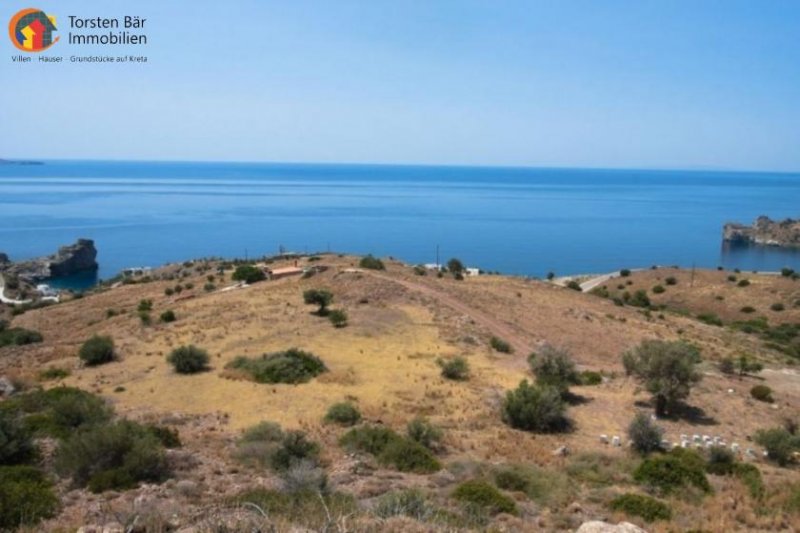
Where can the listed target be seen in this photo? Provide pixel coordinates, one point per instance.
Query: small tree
(423, 432)
(456, 368)
(168, 316)
(779, 443)
(372, 263)
(645, 435)
(455, 266)
(188, 359)
(553, 367)
(338, 318)
(667, 370)
(321, 297)
(248, 274)
(533, 408)
(97, 350)
(745, 365)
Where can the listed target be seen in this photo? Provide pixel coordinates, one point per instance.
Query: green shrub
(747, 309)
(777, 307)
(248, 274)
(291, 366)
(16, 445)
(344, 413)
(258, 444)
(659, 289)
(97, 351)
(534, 408)
(674, 471)
(779, 444)
(145, 318)
(485, 496)
(710, 318)
(644, 434)
(410, 502)
(60, 411)
(553, 367)
(590, 377)
(168, 437)
(19, 337)
(169, 291)
(645, 507)
(295, 447)
(372, 263)
(750, 476)
(574, 285)
(456, 368)
(671, 281)
(54, 372)
(762, 393)
(743, 283)
(420, 270)
(422, 431)
(168, 316)
(500, 345)
(188, 359)
(721, 461)
(26, 497)
(209, 287)
(390, 449)
(113, 456)
(639, 299)
(320, 297)
(338, 318)
(145, 305)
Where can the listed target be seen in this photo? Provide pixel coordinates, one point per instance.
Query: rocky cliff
(764, 231)
(68, 260)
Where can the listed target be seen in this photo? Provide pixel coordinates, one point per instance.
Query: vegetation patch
(535, 408)
(317, 511)
(645, 507)
(391, 449)
(290, 366)
(54, 372)
(780, 444)
(248, 274)
(485, 496)
(97, 351)
(500, 345)
(456, 368)
(672, 472)
(267, 445)
(372, 263)
(26, 497)
(424, 432)
(188, 359)
(762, 393)
(644, 434)
(18, 337)
(58, 412)
(553, 367)
(344, 414)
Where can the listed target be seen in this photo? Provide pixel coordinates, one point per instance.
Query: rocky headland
(764, 231)
(68, 260)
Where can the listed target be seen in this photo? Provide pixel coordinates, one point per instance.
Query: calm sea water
(519, 221)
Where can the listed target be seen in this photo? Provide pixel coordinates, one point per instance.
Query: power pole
(691, 284)
(437, 258)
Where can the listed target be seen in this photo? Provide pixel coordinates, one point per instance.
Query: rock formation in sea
(68, 260)
(764, 231)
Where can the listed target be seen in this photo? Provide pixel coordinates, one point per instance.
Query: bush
(574, 285)
(779, 444)
(16, 445)
(500, 345)
(750, 476)
(372, 263)
(209, 287)
(145, 318)
(168, 291)
(456, 368)
(743, 283)
(674, 471)
(410, 502)
(320, 297)
(60, 411)
(344, 413)
(485, 496)
(644, 434)
(391, 449)
(671, 281)
(422, 431)
(534, 408)
(291, 366)
(312, 510)
(113, 456)
(168, 437)
(168, 316)
(721, 461)
(248, 274)
(762, 393)
(294, 449)
(420, 270)
(710, 318)
(97, 351)
(188, 359)
(590, 377)
(455, 266)
(787, 272)
(338, 318)
(639, 299)
(747, 309)
(18, 337)
(658, 289)
(777, 307)
(553, 367)
(26, 497)
(53, 372)
(625, 272)
(645, 507)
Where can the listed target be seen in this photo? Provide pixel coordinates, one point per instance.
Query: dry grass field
(385, 362)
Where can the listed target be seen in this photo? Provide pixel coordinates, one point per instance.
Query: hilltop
(403, 323)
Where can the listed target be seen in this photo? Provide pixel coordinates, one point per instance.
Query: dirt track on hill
(498, 328)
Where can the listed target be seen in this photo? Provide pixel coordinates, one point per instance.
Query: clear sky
(596, 83)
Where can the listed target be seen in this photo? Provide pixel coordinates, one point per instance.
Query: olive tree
(553, 367)
(667, 369)
(320, 297)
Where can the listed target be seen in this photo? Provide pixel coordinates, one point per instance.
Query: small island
(764, 231)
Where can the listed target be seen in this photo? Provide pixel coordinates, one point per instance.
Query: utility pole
(691, 284)
(438, 266)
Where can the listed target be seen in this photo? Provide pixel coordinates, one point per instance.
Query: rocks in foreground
(764, 231)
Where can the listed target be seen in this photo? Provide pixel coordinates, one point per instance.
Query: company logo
(31, 30)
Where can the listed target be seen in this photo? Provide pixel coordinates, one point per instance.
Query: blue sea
(526, 221)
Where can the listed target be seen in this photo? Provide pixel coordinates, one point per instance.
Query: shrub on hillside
(422, 431)
(372, 263)
(115, 456)
(647, 508)
(16, 445)
(391, 449)
(338, 318)
(639, 299)
(674, 471)
(320, 297)
(500, 345)
(307, 510)
(721, 461)
(590, 377)
(779, 444)
(97, 350)
(747, 309)
(54, 372)
(412, 503)
(534, 408)
(762, 393)
(294, 448)
(710, 318)
(659, 289)
(456, 368)
(168, 437)
(188, 359)
(644, 434)
(777, 307)
(485, 496)
(60, 411)
(18, 337)
(343, 413)
(258, 443)
(671, 281)
(553, 367)
(743, 283)
(26, 497)
(420, 270)
(248, 274)
(291, 366)
(625, 272)
(574, 285)
(168, 316)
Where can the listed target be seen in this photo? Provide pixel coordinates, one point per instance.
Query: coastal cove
(514, 220)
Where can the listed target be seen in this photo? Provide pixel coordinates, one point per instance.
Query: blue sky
(603, 83)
